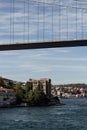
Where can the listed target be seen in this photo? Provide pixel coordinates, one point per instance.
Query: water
(72, 116)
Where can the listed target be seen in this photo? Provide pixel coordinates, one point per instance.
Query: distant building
(43, 84)
(35, 83)
(7, 83)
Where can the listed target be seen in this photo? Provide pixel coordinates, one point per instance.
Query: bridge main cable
(42, 45)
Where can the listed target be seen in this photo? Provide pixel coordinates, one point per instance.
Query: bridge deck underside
(41, 45)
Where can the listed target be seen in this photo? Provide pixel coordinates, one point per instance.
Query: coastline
(24, 104)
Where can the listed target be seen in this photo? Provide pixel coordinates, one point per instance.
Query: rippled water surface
(72, 116)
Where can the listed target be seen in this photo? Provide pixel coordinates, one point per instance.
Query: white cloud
(66, 59)
(53, 67)
(8, 53)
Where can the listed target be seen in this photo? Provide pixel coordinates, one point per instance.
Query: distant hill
(8, 83)
(72, 85)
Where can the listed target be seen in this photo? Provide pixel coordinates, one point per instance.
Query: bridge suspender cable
(43, 20)
(58, 4)
(67, 22)
(46, 4)
(10, 20)
(76, 20)
(13, 19)
(60, 11)
(24, 20)
(38, 23)
(28, 21)
(82, 14)
(44, 29)
(52, 22)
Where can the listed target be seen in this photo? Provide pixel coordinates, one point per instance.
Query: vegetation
(35, 97)
(19, 93)
(28, 86)
(32, 98)
(1, 82)
(6, 83)
(28, 95)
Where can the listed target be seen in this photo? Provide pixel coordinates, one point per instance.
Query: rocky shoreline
(53, 102)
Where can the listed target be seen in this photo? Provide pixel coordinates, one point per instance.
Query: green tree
(36, 97)
(18, 86)
(30, 97)
(40, 98)
(19, 92)
(1, 82)
(28, 86)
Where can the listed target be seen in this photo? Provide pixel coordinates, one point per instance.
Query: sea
(71, 116)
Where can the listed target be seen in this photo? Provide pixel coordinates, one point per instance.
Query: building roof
(1, 88)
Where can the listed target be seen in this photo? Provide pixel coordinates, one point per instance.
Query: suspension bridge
(36, 24)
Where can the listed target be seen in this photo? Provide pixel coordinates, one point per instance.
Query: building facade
(43, 84)
(46, 85)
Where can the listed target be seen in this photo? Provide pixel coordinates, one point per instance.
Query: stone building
(46, 85)
(43, 84)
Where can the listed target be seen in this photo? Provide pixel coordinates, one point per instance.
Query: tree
(19, 93)
(28, 86)
(1, 82)
(40, 98)
(18, 86)
(36, 97)
(30, 97)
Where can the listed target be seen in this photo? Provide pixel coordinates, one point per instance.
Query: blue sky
(62, 65)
